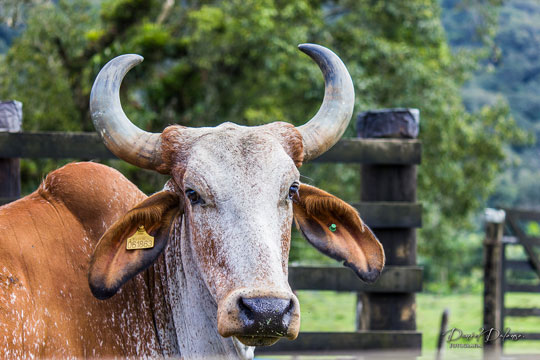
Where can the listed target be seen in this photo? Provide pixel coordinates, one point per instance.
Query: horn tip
(132, 58)
(308, 48)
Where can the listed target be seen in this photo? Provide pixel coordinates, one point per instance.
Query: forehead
(237, 154)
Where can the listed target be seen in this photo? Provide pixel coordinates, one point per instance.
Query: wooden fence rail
(81, 145)
(398, 343)
(394, 279)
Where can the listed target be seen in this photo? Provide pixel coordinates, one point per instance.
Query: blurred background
(471, 66)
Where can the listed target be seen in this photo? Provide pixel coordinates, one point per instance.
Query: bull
(213, 284)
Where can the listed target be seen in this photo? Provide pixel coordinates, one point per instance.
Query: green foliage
(471, 22)
(35, 72)
(213, 61)
(511, 73)
(533, 228)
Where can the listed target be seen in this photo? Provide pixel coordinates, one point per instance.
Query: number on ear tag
(140, 240)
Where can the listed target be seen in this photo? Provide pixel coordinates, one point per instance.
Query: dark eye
(293, 190)
(193, 196)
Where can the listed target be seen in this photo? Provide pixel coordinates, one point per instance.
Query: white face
(237, 182)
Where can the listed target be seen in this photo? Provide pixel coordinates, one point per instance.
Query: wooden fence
(503, 275)
(392, 219)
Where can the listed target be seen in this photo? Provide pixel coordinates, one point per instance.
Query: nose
(259, 317)
(265, 315)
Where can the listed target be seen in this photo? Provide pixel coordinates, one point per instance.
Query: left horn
(125, 140)
(330, 122)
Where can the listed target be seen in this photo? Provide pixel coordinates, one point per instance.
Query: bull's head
(234, 192)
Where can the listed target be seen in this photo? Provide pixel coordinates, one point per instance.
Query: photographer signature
(486, 335)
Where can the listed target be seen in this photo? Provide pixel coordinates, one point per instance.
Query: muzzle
(259, 317)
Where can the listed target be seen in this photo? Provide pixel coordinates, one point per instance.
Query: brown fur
(316, 201)
(176, 142)
(149, 213)
(290, 139)
(46, 240)
(112, 265)
(352, 242)
(174, 152)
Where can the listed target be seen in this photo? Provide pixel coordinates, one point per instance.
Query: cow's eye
(293, 190)
(193, 196)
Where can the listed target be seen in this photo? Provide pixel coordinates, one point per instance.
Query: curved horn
(330, 122)
(123, 139)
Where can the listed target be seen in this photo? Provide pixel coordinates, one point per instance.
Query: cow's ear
(335, 228)
(112, 264)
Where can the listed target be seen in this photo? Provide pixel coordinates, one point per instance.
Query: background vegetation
(511, 71)
(213, 61)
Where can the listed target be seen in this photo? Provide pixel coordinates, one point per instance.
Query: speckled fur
(47, 238)
(238, 239)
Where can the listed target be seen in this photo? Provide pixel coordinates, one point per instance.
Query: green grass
(327, 311)
(330, 311)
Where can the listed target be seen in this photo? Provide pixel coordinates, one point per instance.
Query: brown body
(46, 240)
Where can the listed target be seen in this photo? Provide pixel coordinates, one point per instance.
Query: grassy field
(329, 311)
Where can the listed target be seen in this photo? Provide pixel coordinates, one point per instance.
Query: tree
(213, 61)
(511, 72)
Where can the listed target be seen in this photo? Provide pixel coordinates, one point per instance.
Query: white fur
(244, 187)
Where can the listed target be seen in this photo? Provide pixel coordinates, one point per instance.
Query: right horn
(330, 122)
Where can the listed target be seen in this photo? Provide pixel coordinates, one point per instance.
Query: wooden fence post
(442, 332)
(396, 183)
(10, 178)
(493, 279)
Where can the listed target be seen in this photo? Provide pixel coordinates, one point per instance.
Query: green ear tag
(332, 227)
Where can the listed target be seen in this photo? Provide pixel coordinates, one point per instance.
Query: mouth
(258, 340)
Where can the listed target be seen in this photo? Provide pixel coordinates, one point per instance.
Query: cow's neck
(185, 314)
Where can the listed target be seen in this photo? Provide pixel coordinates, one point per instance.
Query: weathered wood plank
(524, 214)
(503, 288)
(532, 240)
(396, 123)
(55, 145)
(514, 217)
(400, 279)
(324, 343)
(514, 356)
(442, 333)
(374, 151)
(531, 336)
(396, 184)
(493, 248)
(522, 312)
(10, 122)
(89, 146)
(523, 265)
(510, 240)
(522, 288)
(385, 214)
(513, 240)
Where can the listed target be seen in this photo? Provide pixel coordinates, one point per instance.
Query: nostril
(246, 311)
(270, 313)
(286, 317)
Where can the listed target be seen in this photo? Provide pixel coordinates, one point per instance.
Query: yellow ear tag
(140, 240)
